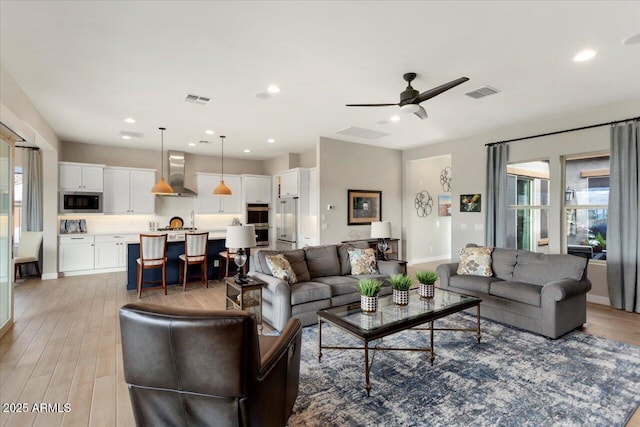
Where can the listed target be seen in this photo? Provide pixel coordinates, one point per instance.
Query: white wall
(431, 235)
(468, 163)
(345, 165)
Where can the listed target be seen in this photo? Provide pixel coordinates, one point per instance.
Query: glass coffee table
(391, 318)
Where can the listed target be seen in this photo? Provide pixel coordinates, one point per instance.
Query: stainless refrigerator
(287, 223)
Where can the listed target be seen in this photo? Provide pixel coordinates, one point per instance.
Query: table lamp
(381, 230)
(241, 237)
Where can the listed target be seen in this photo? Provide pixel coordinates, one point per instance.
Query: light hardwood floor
(65, 346)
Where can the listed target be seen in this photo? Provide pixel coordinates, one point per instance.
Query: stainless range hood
(176, 175)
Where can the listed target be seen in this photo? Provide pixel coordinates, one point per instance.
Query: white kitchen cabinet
(80, 177)
(309, 209)
(128, 191)
(76, 253)
(256, 189)
(111, 250)
(289, 183)
(208, 203)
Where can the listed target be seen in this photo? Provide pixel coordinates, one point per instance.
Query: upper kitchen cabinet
(256, 189)
(207, 203)
(128, 191)
(80, 177)
(289, 183)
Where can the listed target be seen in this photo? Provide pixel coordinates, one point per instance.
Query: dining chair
(28, 251)
(153, 255)
(229, 267)
(195, 253)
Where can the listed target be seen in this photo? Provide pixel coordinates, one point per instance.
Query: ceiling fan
(410, 98)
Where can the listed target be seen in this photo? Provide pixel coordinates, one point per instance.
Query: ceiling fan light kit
(410, 98)
(162, 187)
(222, 189)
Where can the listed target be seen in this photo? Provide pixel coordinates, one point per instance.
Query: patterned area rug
(512, 378)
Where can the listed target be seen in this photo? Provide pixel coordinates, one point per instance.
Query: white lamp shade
(241, 236)
(381, 230)
(410, 108)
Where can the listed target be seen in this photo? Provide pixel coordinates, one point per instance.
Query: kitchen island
(175, 248)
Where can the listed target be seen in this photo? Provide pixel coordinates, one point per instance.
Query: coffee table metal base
(367, 364)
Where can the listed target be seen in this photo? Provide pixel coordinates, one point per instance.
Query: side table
(245, 296)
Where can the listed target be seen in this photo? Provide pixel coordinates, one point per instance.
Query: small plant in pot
(427, 278)
(401, 285)
(369, 290)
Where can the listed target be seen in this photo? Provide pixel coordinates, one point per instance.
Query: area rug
(511, 378)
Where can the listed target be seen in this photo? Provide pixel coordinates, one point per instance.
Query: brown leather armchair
(204, 368)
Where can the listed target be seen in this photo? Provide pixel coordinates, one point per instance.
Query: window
(528, 204)
(17, 204)
(586, 205)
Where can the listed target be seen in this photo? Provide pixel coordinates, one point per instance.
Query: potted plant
(427, 278)
(369, 290)
(400, 284)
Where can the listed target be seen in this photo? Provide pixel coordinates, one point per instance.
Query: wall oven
(76, 202)
(258, 215)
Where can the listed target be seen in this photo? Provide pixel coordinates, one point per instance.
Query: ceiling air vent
(362, 133)
(128, 135)
(202, 100)
(482, 92)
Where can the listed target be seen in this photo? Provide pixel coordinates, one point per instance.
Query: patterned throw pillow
(281, 268)
(363, 261)
(475, 261)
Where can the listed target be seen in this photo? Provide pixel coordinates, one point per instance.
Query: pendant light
(162, 187)
(222, 189)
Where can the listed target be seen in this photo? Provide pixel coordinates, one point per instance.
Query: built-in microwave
(76, 202)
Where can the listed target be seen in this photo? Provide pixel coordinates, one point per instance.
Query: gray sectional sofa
(324, 280)
(545, 294)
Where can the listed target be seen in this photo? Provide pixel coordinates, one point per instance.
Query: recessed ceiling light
(192, 144)
(394, 118)
(635, 39)
(273, 89)
(246, 150)
(271, 140)
(129, 120)
(209, 132)
(126, 137)
(584, 55)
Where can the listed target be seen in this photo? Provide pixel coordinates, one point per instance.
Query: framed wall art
(365, 207)
(470, 202)
(444, 205)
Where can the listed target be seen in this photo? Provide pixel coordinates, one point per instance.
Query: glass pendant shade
(162, 187)
(222, 189)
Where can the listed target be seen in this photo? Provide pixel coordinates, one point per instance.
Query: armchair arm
(563, 289)
(446, 271)
(287, 343)
(390, 267)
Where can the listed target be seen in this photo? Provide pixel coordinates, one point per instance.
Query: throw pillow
(281, 268)
(363, 261)
(475, 262)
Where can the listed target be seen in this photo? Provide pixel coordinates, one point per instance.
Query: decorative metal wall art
(445, 179)
(423, 204)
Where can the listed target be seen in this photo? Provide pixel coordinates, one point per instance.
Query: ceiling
(87, 66)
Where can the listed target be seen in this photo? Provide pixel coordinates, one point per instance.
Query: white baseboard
(597, 299)
(49, 276)
(84, 272)
(429, 259)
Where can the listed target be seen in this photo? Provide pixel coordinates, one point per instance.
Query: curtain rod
(561, 131)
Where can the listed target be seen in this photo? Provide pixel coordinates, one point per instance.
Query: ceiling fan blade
(421, 113)
(438, 90)
(369, 105)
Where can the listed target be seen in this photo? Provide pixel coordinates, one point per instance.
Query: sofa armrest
(564, 289)
(280, 297)
(390, 267)
(274, 285)
(446, 271)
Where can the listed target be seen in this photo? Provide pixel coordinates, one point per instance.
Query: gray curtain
(623, 243)
(31, 196)
(495, 230)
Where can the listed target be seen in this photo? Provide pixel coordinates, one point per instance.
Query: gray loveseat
(324, 280)
(545, 294)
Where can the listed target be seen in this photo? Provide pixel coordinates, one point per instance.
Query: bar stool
(227, 257)
(195, 253)
(153, 254)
